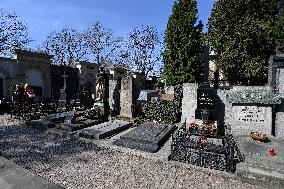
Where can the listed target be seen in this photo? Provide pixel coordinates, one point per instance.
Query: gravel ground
(63, 160)
(6, 121)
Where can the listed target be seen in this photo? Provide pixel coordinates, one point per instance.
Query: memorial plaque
(252, 118)
(205, 98)
(251, 114)
(205, 101)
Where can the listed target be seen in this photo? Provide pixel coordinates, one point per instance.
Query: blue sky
(44, 16)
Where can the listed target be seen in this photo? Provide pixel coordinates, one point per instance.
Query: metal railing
(186, 148)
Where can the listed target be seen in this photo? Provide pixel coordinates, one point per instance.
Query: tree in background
(143, 49)
(67, 46)
(13, 33)
(101, 42)
(184, 45)
(279, 28)
(241, 31)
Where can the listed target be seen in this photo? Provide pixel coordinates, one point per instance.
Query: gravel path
(63, 160)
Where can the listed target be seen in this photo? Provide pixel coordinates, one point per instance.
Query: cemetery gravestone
(252, 109)
(104, 130)
(63, 96)
(86, 100)
(276, 80)
(69, 118)
(206, 98)
(126, 97)
(148, 137)
(145, 95)
(114, 95)
(189, 102)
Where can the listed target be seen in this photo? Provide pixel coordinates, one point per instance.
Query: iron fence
(186, 147)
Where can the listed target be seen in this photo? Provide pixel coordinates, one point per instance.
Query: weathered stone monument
(276, 80)
(127, 97)
(63, 97)
(252, 109)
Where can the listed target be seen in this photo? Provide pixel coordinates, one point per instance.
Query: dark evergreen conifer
(184, 45)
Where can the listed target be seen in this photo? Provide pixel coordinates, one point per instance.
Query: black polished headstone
(86, 99)
(148, 137)
(206, 98)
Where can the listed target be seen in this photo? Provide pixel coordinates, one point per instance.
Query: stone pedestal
(62, 98)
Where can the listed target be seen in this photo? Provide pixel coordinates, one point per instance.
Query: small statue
(99, 92)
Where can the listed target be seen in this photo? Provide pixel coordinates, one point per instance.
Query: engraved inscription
(205, 99)
(251, 114)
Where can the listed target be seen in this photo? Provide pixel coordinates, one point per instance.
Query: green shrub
(93, 114)
(164, 111)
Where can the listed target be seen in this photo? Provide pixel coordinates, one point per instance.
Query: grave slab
(56, 118)
(48, 121)
(105, 129)
(259, 166)
(78, 125)
(148, 137)
(40, 124)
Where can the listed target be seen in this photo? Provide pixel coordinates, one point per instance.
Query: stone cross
(64, 77)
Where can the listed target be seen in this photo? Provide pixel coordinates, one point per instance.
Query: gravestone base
(149, 137)
(62, 98)
(104, 130)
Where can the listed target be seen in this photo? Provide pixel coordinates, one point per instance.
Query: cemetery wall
(223, 107)
(279, 122)
(8, 71)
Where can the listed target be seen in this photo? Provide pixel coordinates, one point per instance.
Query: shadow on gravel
(26, 145)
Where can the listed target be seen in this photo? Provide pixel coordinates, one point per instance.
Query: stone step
(105, 129)
(272, 178)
